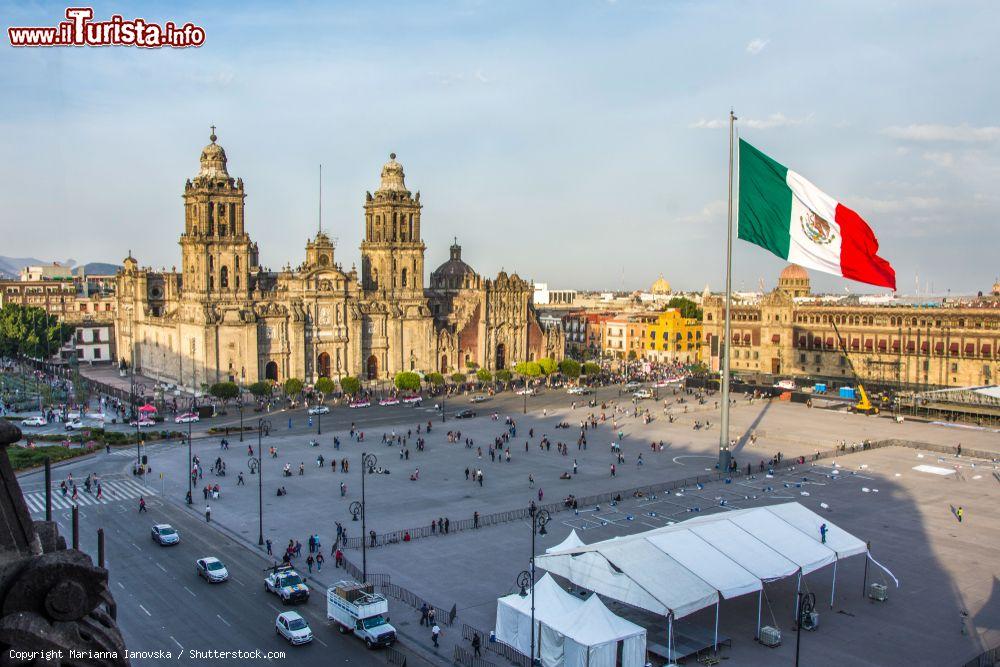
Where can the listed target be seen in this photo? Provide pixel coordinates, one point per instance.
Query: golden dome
(661, 286)
(793, 272)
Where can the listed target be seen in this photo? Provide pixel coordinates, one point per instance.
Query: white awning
(572, 540)
(691, 565)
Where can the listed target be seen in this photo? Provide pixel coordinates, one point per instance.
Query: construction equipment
(863, 405)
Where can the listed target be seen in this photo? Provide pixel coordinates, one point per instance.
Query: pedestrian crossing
(111, 491)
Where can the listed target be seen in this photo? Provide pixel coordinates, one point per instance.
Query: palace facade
(222, 317)
(912, 345)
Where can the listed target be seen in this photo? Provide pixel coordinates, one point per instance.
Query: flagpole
(725, 455)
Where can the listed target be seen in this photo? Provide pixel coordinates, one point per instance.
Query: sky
(579, 143)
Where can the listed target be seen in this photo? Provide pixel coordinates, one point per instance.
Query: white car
(478, 398)
(186, 418)
(631, 386)
(34, 421)
(359, 404)
(211, 569)
(414, 400)
(74, 425)
(142, 422)
(643, 393)
(164, 534)
(293, 627)
(389, 401)
(319, 410)
(286, 583)
(526, 392)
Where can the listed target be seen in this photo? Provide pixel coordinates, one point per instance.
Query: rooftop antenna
(320, 198)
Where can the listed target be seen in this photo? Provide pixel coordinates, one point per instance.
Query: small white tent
(569, 632)
(572, 541)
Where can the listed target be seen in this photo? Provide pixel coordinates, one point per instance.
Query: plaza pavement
(472, 569)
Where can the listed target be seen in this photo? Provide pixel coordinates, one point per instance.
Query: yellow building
(624, 336)
(670, 337)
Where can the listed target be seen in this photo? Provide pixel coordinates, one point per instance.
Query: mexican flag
(782, 211)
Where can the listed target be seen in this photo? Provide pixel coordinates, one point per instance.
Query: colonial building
(788, 333)
(223, 317)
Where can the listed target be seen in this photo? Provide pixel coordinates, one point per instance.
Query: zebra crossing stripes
(111, 491)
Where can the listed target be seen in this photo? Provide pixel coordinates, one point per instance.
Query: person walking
(319, 561)
(338, 558)
(475, 645)
(208, 513)
(268, 543)
(540, 494)
(531, 481)
(423, 614)
(960, 513)
(239, 479)
(613, 469)
(435, 634)
(475, 519)
(142, 505)
(822, 533)
(574, 466)
(309, 562)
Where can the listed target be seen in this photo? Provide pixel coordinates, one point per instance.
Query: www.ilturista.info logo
(81, 30)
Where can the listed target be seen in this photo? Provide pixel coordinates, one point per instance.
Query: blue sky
(578, 143)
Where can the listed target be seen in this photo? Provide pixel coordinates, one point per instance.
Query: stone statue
(53, 598)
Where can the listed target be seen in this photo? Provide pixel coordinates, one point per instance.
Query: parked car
(416, 399)
(359, 404)
(34, 421)
(293, 627)
(164, 534)
(211, 569)
(286, 583)
(643, 393)
(186, 418)
(319, 410)
(143, 422)
(353, 609)
(479, 398)
(527, 391)
(391, 400)
(74, 425)
(465, 414)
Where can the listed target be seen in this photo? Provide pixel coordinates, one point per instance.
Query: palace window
(403, 277)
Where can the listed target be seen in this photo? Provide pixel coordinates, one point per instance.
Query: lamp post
(368, 462)
(243, 380)
(263, 428)
(194, 408)
(539, 518)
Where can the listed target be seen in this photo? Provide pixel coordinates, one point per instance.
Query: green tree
(325, 386)
(632, 356)
(548, 365)
(350, 385)
(471, 365)
(569, 368)
(458, 378)
(407, 381)
(293, 387)
(687, 307)
(504, 375)
(435, 379)
(224, 391)
(26, 331)
(484, 375)
(590, 368)
(260, 389)
(528, 369)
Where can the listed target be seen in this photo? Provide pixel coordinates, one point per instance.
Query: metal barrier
(394, 656)
(988, 658)
(466, 658)
(383, 582)
(504, 650)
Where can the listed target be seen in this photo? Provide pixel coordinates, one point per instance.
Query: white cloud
(897, 205)
(714, 124)
(768, 123)
(482, 77)
(940, 158)
(958, 133)
(711, 213)
(757, 45)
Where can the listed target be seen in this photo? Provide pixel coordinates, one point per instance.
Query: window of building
(403, 277)
(802, 358)
(224, 277)
(954, 368)
(97, 353)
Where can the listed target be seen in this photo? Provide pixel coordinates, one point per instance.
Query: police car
(286, 583)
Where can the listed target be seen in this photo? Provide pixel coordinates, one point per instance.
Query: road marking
(273, 607)
(120, 584)
(177, 642)
(237, 581)
(319, 640)
(145, 610)
(137, 547)
(190, 591)
(161, 567)
(223, 620)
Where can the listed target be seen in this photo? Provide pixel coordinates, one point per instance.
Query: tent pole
(715, 645)
(833, 589)
(760, 599)
(864, 586)
(670, 637)
(798, 584)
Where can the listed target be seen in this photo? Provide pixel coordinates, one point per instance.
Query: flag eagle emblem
(816, 228)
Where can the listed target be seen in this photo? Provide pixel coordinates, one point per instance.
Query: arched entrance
(444, 364)
(271, 371)
(372, 368)
(323, 365)
(501, 356)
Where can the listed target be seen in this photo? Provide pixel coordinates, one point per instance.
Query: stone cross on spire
(212, 136)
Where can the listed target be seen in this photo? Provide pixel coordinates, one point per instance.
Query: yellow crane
(863, 404)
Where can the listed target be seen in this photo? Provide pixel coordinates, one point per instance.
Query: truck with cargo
(355, 608)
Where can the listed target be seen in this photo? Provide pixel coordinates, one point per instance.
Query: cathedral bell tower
(218, 257)
(392, 252)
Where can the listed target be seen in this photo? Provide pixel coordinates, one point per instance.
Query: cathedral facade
(222, 317)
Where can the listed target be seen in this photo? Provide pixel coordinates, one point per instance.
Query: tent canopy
(691, 565)
(595, 624)
(571, 542)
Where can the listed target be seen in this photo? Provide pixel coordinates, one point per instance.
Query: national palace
(224, 317)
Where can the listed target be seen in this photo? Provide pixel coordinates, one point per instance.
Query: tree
(632, 356)
(325, 386)
(260, 389)
(26, 331)
(435, 379)
(590, 368)
(528, 369)
(471, 365)
(504, 375)
(569, 368)
(350, 385)
(293, 387)
(548, 365)
(224, 391)
(407, 381)
(484, 375)
(458, 378)
(687, 307)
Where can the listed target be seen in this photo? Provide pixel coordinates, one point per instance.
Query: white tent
(569, 632)
(677, 570)
(571, 542)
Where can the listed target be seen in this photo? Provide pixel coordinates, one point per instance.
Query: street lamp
(190, 419)
(368, 462)
(263, 428)
(243, 380)
(539, 518)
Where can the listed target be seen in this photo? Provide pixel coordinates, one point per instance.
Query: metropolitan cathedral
(222, 317)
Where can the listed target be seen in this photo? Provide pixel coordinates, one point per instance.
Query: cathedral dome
(793, 272)
(453, 272)
(661, 286)
(213, 159)
(392, 176)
